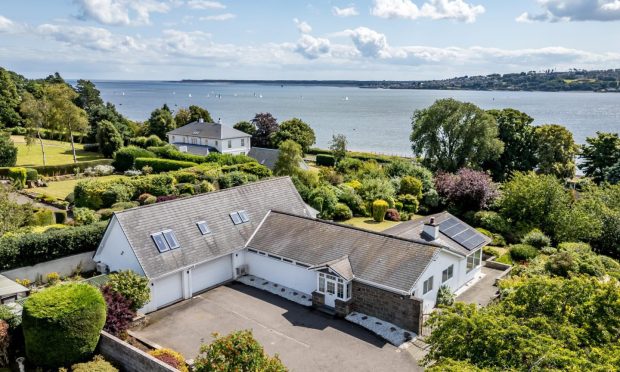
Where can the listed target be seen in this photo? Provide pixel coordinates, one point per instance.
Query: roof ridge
(265, 180)
(359, 229)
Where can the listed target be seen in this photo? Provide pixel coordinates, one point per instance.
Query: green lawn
(369, 224)
(56, 152)
(60, 189)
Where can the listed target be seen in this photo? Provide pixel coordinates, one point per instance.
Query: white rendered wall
(283, 273)
(115, 251)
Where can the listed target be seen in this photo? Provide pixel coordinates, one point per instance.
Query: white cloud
(205, 4)
(458, 10)
(369, 43)
(302, 26)
(574, 10)
(120, 12)
(6, 25)
(345, 12)
(93, 38)
(219, 17)
(312, 47)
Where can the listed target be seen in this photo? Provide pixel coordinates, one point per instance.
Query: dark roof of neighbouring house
(208, 130)
(269, 157)
(373, 257)
(181, 216)
(10, 287)
(414, 230)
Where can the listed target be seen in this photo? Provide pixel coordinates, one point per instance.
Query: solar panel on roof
(454, 230)
(463, 236)
(473, 242)
(171, 239)
(461, 233)
(447, 223)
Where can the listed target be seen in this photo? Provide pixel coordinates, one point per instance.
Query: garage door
(168, 289)
(211, 273)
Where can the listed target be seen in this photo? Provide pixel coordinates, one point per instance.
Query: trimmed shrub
(96, 194)
(324, 200)
(32, 248)
(18, 176)
(253, 168)
(184, 177)
(125, 158)
(445, 297)
(411, 185)
(171, 358)
(392, 215)
(157, 184)
(32, 174)
(146, 142)
(170, 152)
(352, 200)
(536, 238)
(58, 335)
(162, 165)
(43, 217)
(523, 252)
(379, 208)
(185, 188)
(206, 186)
(132, 286)
(348, 165)
(234, 178)
(105, 214)
(98, 364)
(119, 313)
(84, 216)
(325, 160)
(342, 212)
(142, 199)
(410, 203)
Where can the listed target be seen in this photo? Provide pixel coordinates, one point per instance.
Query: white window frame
(474, 260)
(165, 247)
(172, 244)
(243, 142)
(447, 274)
(230, 144)
(342, 288)
(427, 286)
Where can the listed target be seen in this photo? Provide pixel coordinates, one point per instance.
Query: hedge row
(46, 134)
(256, 169)
(325, 160)
(170, 152)
(163, 165)
(33, 248)
(125, 158)
(59, 170)
(357, 155)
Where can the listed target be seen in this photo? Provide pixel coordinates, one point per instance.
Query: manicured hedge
(170, 152)
(146, 142)
(163, 165)
(18, 175)
(325, 160)
(62, 323)
(33, 248)
(254, 168)
(124, 158)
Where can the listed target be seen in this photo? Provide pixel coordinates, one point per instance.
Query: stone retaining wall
(128, 357)
(401, 310)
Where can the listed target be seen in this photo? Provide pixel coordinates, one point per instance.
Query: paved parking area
(305, 339)
(484, 291)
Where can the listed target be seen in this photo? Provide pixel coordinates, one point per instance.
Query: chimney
(431, 229)
(201, 120)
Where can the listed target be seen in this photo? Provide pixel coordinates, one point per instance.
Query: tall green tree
(451, 135)
(161, 122)
(193, 113)
(266, 126)
(519, 138)
(108, 138)
(8, 151)
(297, 130)
(290, 155)
(245, 127)
(65, 117)
(99, 113)
(556, 150)
(9, 100)
(338, 146)
(36, 113)
(598, 154)
(88, 95)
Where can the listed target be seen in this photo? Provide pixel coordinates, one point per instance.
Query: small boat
(346, 98)
(189, 95)
(123, 93)
(260, 96)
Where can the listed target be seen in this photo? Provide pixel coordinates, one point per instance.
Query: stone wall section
(128, 357)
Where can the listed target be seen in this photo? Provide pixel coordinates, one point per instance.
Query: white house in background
(201, 138)
(189, 245)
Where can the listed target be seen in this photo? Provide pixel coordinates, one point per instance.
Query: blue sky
(289, 39)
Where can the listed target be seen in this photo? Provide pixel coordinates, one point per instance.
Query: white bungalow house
(264, 229)
(201, 138)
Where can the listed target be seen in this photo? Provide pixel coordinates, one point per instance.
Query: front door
(330, 291)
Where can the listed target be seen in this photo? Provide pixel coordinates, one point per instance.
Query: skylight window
(171, 239)
(203, 227)
(244, 216)
(234, 216)
(160, 242)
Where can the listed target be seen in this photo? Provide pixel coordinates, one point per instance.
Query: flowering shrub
(536, 238)
(171, 358)
(392, 215)
(52, 278)
(379, 208)
(119, 314)
(466, 189)
(132, 173)
(99, 170)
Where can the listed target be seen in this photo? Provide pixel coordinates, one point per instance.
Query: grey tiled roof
(269, 157)
(181, 215)
(374, 257)
(208, 130)
(413, 230)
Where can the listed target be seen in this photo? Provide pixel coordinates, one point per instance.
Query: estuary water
(377, 120)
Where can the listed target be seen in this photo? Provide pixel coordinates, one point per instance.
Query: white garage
(167, 290)
(274, 269)
(210, 274)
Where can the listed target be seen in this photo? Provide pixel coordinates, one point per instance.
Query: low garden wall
(65, 266)
(129, 358)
